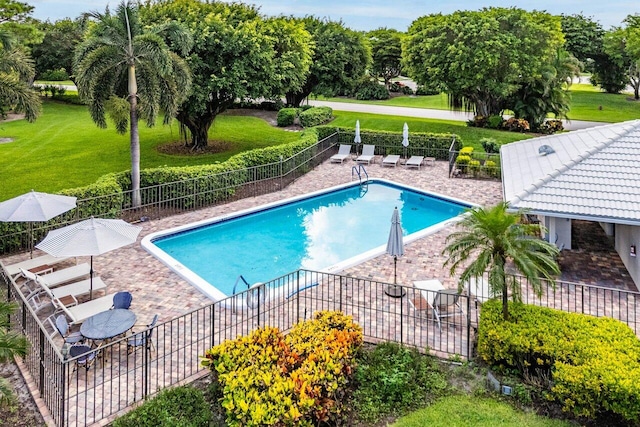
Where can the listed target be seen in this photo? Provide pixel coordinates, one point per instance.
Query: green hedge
(594, 363)
(180, 406)
(287, 116)
(424, 144)
(315, 116)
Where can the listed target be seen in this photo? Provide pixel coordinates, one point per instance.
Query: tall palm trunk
(135, 137)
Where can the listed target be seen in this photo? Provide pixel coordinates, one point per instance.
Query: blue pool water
(314, 233)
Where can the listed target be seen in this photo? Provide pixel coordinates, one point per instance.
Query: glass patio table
(108, 324)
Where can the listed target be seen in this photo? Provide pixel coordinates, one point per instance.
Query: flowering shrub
(551, 126)
(593, 363)
(269, 379)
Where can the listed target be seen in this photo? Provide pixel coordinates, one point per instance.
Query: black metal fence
(163, 200)
(123, 375)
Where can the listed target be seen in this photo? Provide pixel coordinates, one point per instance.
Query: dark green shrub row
(423, 144)
(57, 75)
(391, 379)
(425, 90)
(315, 116)
(180, 406)
(593, 363)
(287, 116)
(372, 90)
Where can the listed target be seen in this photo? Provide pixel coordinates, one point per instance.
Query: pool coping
(210, 291)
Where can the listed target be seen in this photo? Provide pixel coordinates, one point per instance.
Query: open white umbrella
(395, 248)
(35, 207)
(94, 236)
(405, 138)
(357, 138)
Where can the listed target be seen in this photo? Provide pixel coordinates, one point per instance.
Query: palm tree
(16, 71)
(11, 344)
(128, 71)
(495, 237)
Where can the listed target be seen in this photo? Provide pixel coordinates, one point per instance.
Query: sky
(372, 14)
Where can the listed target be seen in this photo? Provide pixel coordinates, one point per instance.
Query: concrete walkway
(426, 113)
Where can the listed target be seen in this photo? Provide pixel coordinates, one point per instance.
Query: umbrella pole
(91, 279)
(395, 271)
(31, 239)
(395, 291)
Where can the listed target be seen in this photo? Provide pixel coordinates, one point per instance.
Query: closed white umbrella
(357, 138)
(94, 236)
(395, 248)
(35, 207)
(405, 138)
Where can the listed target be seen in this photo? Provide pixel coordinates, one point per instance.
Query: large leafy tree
(11, 344)
(481, 58)
(386, 53)
(491, 238)
(236, 55)
(128, 70)
(622, 45)
(16, 73)
(583, 38)
(340, 60)
(15, 18)
(55, 52)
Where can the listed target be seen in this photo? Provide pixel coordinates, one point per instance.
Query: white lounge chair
(12, 270)
(66, 294)
(343, 153)
(58, 277)
(415, 162)
(368, 155)
(81, 312)
(391, 160)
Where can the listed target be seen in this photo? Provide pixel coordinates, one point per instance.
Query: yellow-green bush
(594, 363)
(271, 379)
(466, 151)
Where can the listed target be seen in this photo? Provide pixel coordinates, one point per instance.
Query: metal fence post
(63, 388)
(401, 321)
(280, 172)
(297, 296)
(469, 325)
(41, 365)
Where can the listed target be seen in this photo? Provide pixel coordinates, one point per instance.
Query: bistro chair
(144, 338)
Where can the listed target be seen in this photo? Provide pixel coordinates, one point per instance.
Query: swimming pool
(329, 230)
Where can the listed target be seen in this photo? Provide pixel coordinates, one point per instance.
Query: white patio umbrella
(395, 248)
(94, 236)
(357, 138)
(405, 138)
(35, 207)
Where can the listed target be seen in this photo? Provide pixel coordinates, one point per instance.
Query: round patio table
(108, 324)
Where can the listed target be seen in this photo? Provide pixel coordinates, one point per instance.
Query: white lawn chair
(56, 278)
(12, 270)
(67, 294)
(81, 312)
(415, 162)
(391, 160)
(343, 153)
(368, 155)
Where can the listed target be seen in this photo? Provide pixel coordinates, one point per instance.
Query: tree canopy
(482, 58)
(622, 45)
(341, 58)
(386, 53)
(236, 55)
(55, 52)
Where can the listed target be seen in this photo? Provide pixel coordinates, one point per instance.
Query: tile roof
(591, 173)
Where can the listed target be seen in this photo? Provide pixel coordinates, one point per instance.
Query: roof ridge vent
(546, 149)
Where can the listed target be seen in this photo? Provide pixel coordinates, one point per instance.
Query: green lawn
(585, 102)
(469, 411)
(64, 149)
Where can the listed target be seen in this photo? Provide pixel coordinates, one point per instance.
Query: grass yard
(463, 411)
(470, 135)
(585, 102)
(65, 149)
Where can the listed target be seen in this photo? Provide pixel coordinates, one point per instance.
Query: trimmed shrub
(551, 126)
(315, 116)
(180, 406)
(57, 75)
(462, 161)
(274, 105)
(406, 90)
(490, 145)
(395, 87)
(516, 125)
(269, 379)
(427, 90)
(372, 90)
(593, 363)
(474, 167)
(494, 122)
(478, 121)
(493, 170)
(425, 144)
(466, 151)
(286, 116)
